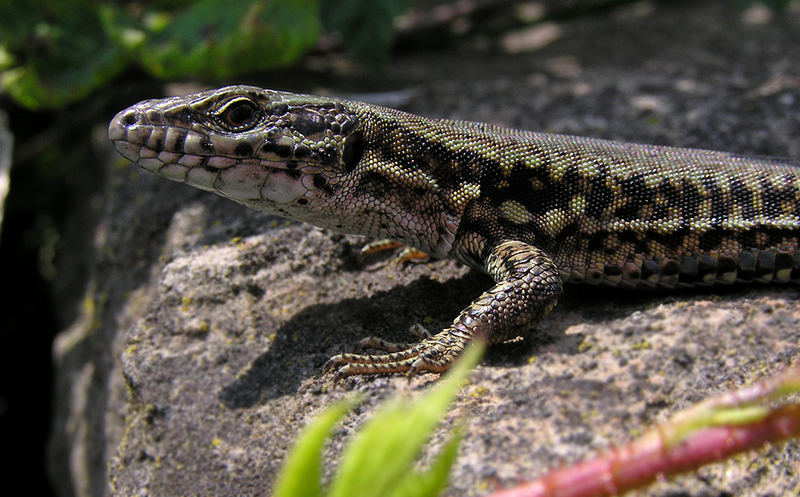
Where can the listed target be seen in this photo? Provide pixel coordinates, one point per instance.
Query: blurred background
(66, 66)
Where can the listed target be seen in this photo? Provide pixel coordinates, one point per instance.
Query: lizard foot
(408, 254)
(434, 354)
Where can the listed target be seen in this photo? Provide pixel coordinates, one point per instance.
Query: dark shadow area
(318, 332)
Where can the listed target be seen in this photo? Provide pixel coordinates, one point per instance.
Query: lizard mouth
(250, 168)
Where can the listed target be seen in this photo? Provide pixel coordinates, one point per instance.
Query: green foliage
(301, 475)
(432, 482)
(220, 38)
(366, 28)
(53, 52)
(379, 461)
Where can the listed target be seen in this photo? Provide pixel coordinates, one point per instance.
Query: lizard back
(607, 212)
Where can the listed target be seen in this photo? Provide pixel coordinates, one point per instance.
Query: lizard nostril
(130, 118)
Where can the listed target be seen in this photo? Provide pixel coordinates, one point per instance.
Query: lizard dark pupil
(240, 114)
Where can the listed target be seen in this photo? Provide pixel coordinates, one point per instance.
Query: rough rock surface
(199, 357)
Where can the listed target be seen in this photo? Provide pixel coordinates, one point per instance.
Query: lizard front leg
(527, 287)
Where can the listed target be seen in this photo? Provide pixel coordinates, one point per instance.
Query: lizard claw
(408, 254)
(419, 331)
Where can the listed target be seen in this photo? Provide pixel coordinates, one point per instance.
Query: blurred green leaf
(220, 38)
(366, 28)
(302, 471)
(56, 51)
(53, 52)
(433, 481)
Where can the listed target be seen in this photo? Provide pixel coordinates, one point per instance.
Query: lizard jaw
(177, 154)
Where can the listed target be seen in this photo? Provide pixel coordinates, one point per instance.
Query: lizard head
(269, 150)
(333, 163)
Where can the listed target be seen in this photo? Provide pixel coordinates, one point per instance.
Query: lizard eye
(239, 114)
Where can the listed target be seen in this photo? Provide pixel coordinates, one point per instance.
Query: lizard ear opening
(353, 151)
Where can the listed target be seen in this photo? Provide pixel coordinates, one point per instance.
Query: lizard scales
(534, 210)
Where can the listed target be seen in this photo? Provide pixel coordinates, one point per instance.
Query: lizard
(534, 210)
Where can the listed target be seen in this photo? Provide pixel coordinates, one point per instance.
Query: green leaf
(379, 458)
(53, 52)
(57, 51)
(432, 482)
(302, 472)
(219, 38)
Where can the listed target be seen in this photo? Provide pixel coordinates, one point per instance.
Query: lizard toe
(352, 369)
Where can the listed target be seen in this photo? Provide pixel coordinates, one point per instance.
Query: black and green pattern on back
(606, 212)
(533, 210)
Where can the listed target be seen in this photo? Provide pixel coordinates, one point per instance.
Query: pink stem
(646, 459)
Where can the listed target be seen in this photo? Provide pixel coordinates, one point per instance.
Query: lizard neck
(409, 185)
